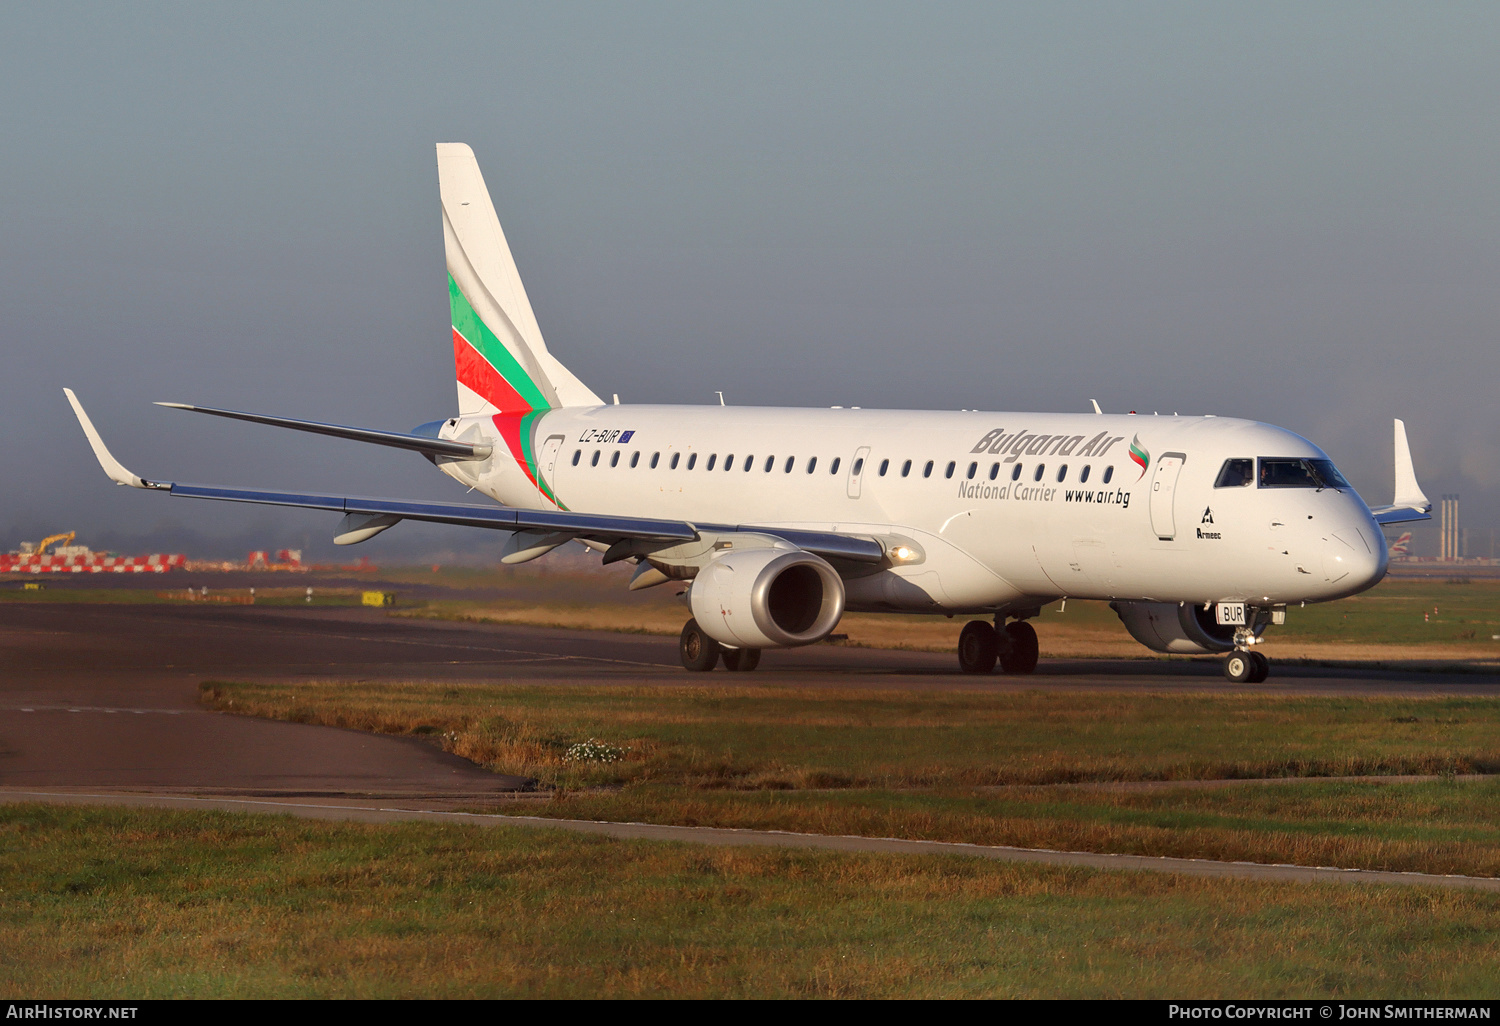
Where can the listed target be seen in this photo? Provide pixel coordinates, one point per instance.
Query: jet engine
(767, 598)
(1170, 627)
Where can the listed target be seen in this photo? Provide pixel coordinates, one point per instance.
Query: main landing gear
(981, 646)
(701, 653)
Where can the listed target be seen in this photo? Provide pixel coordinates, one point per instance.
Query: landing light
(903, 552)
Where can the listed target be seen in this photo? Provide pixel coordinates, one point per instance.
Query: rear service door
(1163, 492)
(550, 449)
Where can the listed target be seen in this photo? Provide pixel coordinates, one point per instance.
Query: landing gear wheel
(1021, 659)
(1262, 668)
(1239, 667)
(978, 648)
(742, 659)
(699, 652)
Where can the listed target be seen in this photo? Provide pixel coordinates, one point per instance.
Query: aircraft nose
(1354, 558)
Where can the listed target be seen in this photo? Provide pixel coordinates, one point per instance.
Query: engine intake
(767, 598)
(1169, 627)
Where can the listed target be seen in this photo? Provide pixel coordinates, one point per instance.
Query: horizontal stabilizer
(396, 439)
(1398, 515)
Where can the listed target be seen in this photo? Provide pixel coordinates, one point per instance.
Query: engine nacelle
(767, 598)
(1171, 627)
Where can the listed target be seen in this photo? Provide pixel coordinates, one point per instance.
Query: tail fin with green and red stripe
(500, 360)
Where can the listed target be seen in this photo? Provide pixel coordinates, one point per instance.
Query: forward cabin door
(1163, 493)
(857, 470)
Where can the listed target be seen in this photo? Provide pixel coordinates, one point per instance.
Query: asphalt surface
(106, 695)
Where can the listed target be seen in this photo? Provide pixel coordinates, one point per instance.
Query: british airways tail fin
(500, 360)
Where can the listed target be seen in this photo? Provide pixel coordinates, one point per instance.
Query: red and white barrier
(156, 563)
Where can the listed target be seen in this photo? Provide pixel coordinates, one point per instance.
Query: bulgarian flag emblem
(1140, 455)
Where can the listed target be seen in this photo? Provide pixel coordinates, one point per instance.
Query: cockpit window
(1299, 473)
(1236, 474)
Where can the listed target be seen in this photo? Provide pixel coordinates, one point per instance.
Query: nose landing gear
(1244, 665)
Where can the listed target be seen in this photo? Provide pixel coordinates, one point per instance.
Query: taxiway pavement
(107, 695)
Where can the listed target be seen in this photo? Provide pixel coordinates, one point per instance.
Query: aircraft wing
(366, 516)
(501, 518)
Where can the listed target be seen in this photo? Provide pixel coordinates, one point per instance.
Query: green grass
(767, 737)
(146, 904)
(976, 767)
(1425, 827)
(1393, 613)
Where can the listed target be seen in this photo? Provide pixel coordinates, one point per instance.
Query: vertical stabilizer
(1408, 492)
(500, 360)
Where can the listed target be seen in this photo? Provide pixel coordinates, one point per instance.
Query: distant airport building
(1449, 549)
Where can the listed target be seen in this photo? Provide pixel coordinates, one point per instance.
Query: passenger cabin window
(635, 459)
(576, 454)
(770, 462)
(994, 471)
(655, 459)
(906, 468)
(1062, 473)
(833, 468)
(1236, 474)
(675, 457)
(1297, 473)
(927, 470)
(1083, 475)
(859, 465)
(595, 461)
(692, 459)
(1015, 474)
(812, 464)
(790, 460)
(614, 459)
(949, 471)
(1109, 472)
(711, 457)
(1041, 468)
(750, 464)
(884, 466)
(729, 462)
(973, 469)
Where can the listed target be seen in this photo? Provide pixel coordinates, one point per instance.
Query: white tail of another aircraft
(500, 360)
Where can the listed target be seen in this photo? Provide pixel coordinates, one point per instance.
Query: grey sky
(1285, 212)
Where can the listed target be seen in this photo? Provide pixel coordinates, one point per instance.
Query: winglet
(113, 467)
(1408, 492)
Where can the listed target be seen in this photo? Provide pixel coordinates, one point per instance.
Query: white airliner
(1199, 531)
